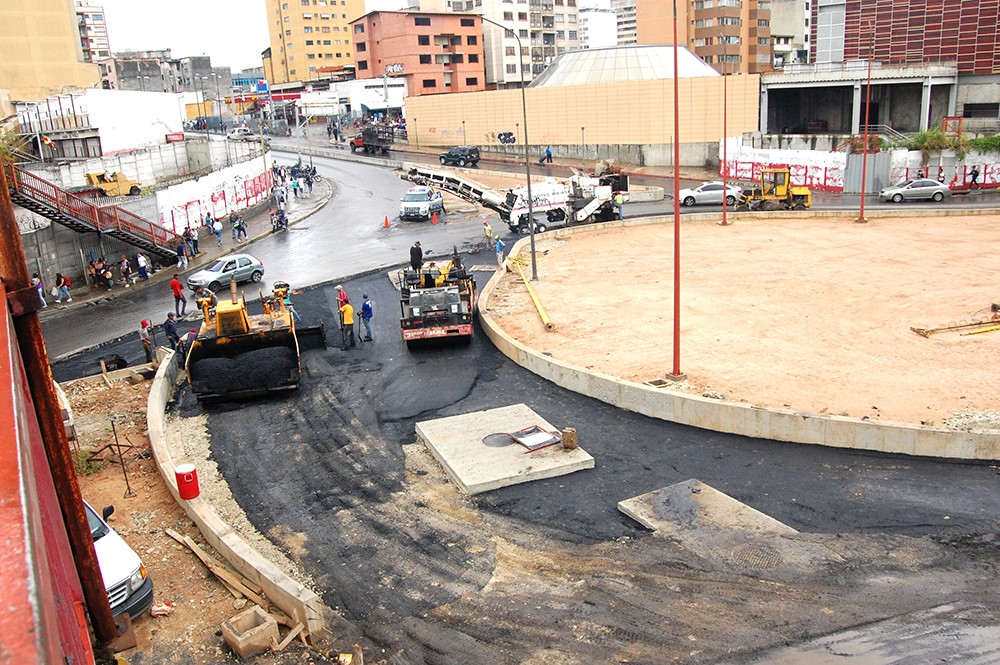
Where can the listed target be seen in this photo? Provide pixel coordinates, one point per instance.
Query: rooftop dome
(622, 63)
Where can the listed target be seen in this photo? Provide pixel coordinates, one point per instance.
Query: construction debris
(234, 582)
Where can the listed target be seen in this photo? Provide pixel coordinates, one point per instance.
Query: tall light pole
(676, 373)
(868, 105)
(527, 162)
(218, 99)
(582, 141)
(725, 129)
(464, 142)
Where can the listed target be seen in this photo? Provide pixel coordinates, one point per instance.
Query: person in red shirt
(180, 302)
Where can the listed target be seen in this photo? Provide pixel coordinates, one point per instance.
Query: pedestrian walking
(941, 174)
(125, 271)
(499, 248)
(329, 131)
(180, 302)
(367, 311)
(548, 154)
(146, 338)
(234, 221)
(62, 287)
(170, 330)
(208, 219)
(618, 201)
(309, 184)
(182, 259)
(295, 187)
(974, 177)
(36, 282)
(347, 325)
(416, 256)
(143, 264)
(217, 229)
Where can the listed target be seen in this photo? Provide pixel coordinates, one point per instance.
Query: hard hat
(364, 295)
(194, 330)
(144, 323)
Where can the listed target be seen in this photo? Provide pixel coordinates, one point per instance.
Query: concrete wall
(737, 417)
(291, 597)
(692, 154)
(625, 113)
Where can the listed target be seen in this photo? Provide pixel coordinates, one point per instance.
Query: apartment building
(93, 31)
(310, 38)
(545, 28)
(598, 25)
(918, 31)
(40, 50)
(435, 52)
(625, 14)
(790, 29)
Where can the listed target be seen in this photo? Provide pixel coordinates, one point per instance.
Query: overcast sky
(232, 32)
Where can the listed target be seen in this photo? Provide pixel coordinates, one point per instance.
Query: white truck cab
(130, 589)
(421, 202)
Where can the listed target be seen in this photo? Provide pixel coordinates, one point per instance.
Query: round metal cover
(498, 440)
(760, 557)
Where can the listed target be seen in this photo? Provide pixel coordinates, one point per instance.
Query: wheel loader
(238, 354)
(775, 192)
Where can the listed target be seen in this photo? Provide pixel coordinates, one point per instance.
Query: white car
(130, 589)
(709, 193)
(241, 134)
(421, 202)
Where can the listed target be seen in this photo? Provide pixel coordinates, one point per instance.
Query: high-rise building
(40, 51)
(790, 22)
(917, 31)
(93, 31)
(598, 25)
(546, 28)
(310, 39)
(434, 51)
(625, 11)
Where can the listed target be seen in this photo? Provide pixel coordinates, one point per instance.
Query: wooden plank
(236, 583)
(276, 646)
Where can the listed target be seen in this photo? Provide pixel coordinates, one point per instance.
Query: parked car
(241, 134)
(130, 588)
(421, 202)
(917, 189)
(708, 193)
(461, 155)
(216, 276)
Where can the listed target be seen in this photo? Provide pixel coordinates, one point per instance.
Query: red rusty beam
(28, 330)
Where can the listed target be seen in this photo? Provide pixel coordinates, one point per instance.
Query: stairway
(41, 196)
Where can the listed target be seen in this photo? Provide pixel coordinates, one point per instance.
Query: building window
(307, 16)
(307, 30)
(309, 42)
(471, 40)
(510, 50)
(362, 64)
(472, 81)
(421, 20)
(325, 28)
(511, 69)
(326, 42)
(508, 16)
(429, 83)
(359, 28)
(763, 23)
(423, 40)
(361, 46)
(522, 16)
(312, 56)
(560, 34)
(468, 23)
(522, 33)
(730, 20)
(572, 34)
(425, 59)
(473, 57)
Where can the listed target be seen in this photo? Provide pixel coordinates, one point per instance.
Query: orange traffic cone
(385, 224)
(434, 220)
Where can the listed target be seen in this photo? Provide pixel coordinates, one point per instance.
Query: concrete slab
(717, 527)
(457, 443)
(692, 505)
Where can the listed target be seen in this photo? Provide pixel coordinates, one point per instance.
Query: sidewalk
(258, 220)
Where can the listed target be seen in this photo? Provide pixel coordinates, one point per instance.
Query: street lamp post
(582, 141)
(218, 100)
(416, 136)
(725, 129)
(527, 162)
(868, 105)
(464, 142)
(676, 373)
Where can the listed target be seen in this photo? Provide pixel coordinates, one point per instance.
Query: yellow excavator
(776, 191)
(238, 354)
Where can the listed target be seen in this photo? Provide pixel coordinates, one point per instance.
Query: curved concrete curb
(296, 601)
(736, 417)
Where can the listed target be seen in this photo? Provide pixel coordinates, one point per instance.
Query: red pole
(725, 131)
(868, 104)
(676, 373)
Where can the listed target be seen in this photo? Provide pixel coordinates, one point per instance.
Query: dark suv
(461, 155)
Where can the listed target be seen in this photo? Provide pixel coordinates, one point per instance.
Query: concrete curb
(295, 600)
(736, 417)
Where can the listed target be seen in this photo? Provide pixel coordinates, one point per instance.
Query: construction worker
(618, 201)
(488, 233)
(366, 313)
(347, 325)
(147, 341)
(499, 247)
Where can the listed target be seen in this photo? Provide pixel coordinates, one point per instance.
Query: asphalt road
(551, 568)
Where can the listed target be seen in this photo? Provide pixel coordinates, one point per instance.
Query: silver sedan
(708, 193)
(242, 267)
(919, 189)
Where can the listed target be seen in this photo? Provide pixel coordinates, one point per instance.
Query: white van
(130, 589)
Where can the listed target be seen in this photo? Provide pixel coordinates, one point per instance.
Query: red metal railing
(106, 220)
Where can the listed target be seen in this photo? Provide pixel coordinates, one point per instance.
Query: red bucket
(187, 481)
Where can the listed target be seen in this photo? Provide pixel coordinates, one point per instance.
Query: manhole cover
(760, 557)
(498, 440)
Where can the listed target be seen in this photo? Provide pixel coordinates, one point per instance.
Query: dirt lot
(190, 633)
(808, 314)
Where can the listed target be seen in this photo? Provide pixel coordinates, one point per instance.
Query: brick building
(434, 51)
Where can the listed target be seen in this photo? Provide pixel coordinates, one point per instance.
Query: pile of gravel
(974, 421)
